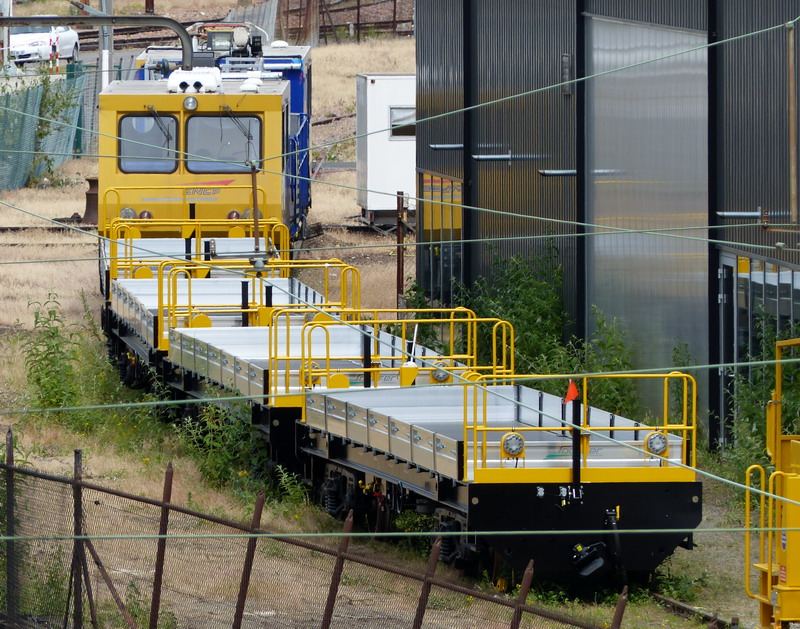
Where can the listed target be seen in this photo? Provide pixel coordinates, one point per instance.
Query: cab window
(222, 144)
(147, 143)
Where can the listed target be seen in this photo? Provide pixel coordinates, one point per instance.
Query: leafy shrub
(752, 389)
(220, 440)
(527, 293)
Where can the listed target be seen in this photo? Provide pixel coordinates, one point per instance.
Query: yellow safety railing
(310, 360)
(765, 559)
(477, 431)
(341, 285)
(116, 198)
(127, 261)
(777, 559)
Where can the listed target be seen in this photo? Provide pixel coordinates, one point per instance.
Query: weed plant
(51, 353)
(527, 293)
(138, 606)
(752, 389)
(221, 441)
(67, 365)
(410, 521)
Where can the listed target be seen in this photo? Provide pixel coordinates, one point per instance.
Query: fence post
(110, 585)
(89, 595)
(11, 557)
(619, 610)
(77, 548)
(401, 232)
(161, 548)
(433, 561)
(338, 568)
(522, 598)
(248, 561)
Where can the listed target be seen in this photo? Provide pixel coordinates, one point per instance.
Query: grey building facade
(648, 176)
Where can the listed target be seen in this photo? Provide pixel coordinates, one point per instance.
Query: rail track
(135, 37)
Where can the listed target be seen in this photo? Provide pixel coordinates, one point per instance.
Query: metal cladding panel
(440, 85)
(752, 120)
(646, 164)
(679, 13)
(522, 47)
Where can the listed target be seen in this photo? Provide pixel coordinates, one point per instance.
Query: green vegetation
(52, 344)
(57, 100)
(220, 440)
(752, 390)
(67, 366)
(527, 293)
(412, 522)
(138, 607)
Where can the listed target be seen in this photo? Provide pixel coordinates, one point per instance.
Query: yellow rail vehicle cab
(183, 148)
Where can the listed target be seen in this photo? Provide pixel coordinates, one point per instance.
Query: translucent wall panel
(646, 164)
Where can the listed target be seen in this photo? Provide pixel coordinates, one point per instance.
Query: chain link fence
(33, 106)
(80, 555)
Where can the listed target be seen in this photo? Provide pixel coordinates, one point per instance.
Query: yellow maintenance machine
(776, 561)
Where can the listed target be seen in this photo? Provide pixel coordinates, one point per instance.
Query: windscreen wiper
(161, 125)
(245, 131)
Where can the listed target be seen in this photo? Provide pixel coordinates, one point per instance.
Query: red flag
(572, 392)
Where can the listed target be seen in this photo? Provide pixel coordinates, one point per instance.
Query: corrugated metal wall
(515, 47)
(519, 48)
(680, 13)
(440, 85)
(752, 122)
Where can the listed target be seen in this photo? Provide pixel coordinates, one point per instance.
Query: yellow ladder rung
(764, 567)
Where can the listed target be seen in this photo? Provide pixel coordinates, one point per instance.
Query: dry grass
(335, 94)
(335, 70)
(31, 206)
(334, 204)
(32, 272)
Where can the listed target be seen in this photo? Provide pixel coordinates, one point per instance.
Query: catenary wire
(586, 78)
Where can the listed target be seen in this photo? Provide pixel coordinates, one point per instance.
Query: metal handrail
(476, 428)
(763, 597)
(106, 203)
(460, 325)
(170, 308)
(125, 231)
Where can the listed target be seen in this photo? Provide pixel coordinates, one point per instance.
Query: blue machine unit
(293, 63)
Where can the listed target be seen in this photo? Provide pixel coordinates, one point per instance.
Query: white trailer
(385, 161)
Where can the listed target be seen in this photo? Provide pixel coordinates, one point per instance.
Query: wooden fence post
(401, 232)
